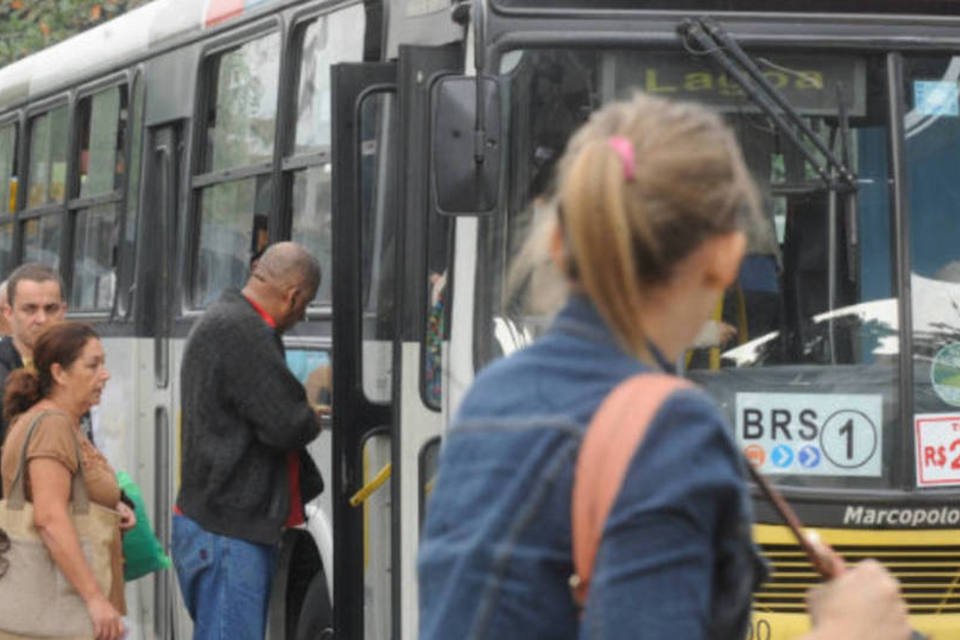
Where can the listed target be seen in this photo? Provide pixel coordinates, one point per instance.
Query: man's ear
(293, 294)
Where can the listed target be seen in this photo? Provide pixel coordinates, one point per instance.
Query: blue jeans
(225, 582)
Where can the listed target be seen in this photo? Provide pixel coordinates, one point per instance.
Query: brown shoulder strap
(78, 488)
(609, 445)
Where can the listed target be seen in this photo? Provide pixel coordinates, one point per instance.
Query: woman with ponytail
(651, 205)
(67, 378)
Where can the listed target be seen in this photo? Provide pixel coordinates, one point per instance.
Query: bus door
(389, 275)
(155, 453)
(364, 228)
(423, 268)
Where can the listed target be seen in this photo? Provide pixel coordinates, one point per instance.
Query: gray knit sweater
(243, 411)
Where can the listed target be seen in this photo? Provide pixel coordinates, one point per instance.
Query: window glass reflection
(812, 315)
(378, 211)
(311, 221)
(48, 158)
(229, 215)
(243, 107)
(6, 247)
(8, 169)
(330, 39)
(932, 128)
(41, 240)
(94, 268)
(102, 123)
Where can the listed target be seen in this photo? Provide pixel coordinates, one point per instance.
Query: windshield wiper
(717, 43)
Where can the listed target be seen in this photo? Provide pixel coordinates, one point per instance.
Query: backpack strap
(609, 444)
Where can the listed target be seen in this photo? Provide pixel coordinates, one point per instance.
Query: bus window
(6, 247)
(327, 40)
(799, 353)
(127, 249)
(8, 193)
(94, 245)
(228, 211)
(240, 124)
(48, 158)
(932, 128)
(102, 120)
(242, 107)
(378, 197)
(41, 240)
(803, 344)
(46, 185)
(312, 220)
(439, 242)
(102, 123)
(333, 38)
(314, 370)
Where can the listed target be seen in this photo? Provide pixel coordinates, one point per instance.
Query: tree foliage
(27, 26)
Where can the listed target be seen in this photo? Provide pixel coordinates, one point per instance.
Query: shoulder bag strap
(78, 488)
(609, 444)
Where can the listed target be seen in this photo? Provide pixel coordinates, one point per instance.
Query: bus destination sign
(810, 83)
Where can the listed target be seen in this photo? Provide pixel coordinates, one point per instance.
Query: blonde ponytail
(595, 223)
(630, 215)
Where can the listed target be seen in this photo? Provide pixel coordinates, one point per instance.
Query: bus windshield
(803, 352)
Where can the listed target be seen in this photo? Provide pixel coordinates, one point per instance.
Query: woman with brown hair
(67, 378)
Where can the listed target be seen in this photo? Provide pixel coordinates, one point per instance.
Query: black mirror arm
(479, 132)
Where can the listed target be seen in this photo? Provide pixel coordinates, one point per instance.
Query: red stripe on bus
(222, 10)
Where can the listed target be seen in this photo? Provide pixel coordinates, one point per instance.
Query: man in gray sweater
(245, 473)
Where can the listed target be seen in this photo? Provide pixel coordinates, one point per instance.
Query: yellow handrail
(368, 489)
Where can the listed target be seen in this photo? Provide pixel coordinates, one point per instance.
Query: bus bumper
(790, 626)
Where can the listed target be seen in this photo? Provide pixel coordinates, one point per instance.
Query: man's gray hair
(289, 264)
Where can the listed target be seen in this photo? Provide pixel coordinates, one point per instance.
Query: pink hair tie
(624, 149)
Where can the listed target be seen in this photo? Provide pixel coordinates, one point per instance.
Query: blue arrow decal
(781, 456)
(809, 457)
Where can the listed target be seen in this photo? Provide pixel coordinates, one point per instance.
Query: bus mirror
(465, 165)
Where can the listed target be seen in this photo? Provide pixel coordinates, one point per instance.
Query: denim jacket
(676, 561)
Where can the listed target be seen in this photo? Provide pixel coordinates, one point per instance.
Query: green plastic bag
(142, 552)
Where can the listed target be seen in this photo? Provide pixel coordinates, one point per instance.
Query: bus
(410, 144)
(149, 159)
(840, 380)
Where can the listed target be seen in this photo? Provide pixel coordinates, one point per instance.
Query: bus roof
(866, 7)
(114, 44)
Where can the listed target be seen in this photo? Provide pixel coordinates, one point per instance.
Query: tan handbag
(36, 599)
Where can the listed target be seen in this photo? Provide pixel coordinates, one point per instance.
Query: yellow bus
(837, 353)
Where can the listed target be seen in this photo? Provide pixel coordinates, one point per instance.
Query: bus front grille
(929, 576)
